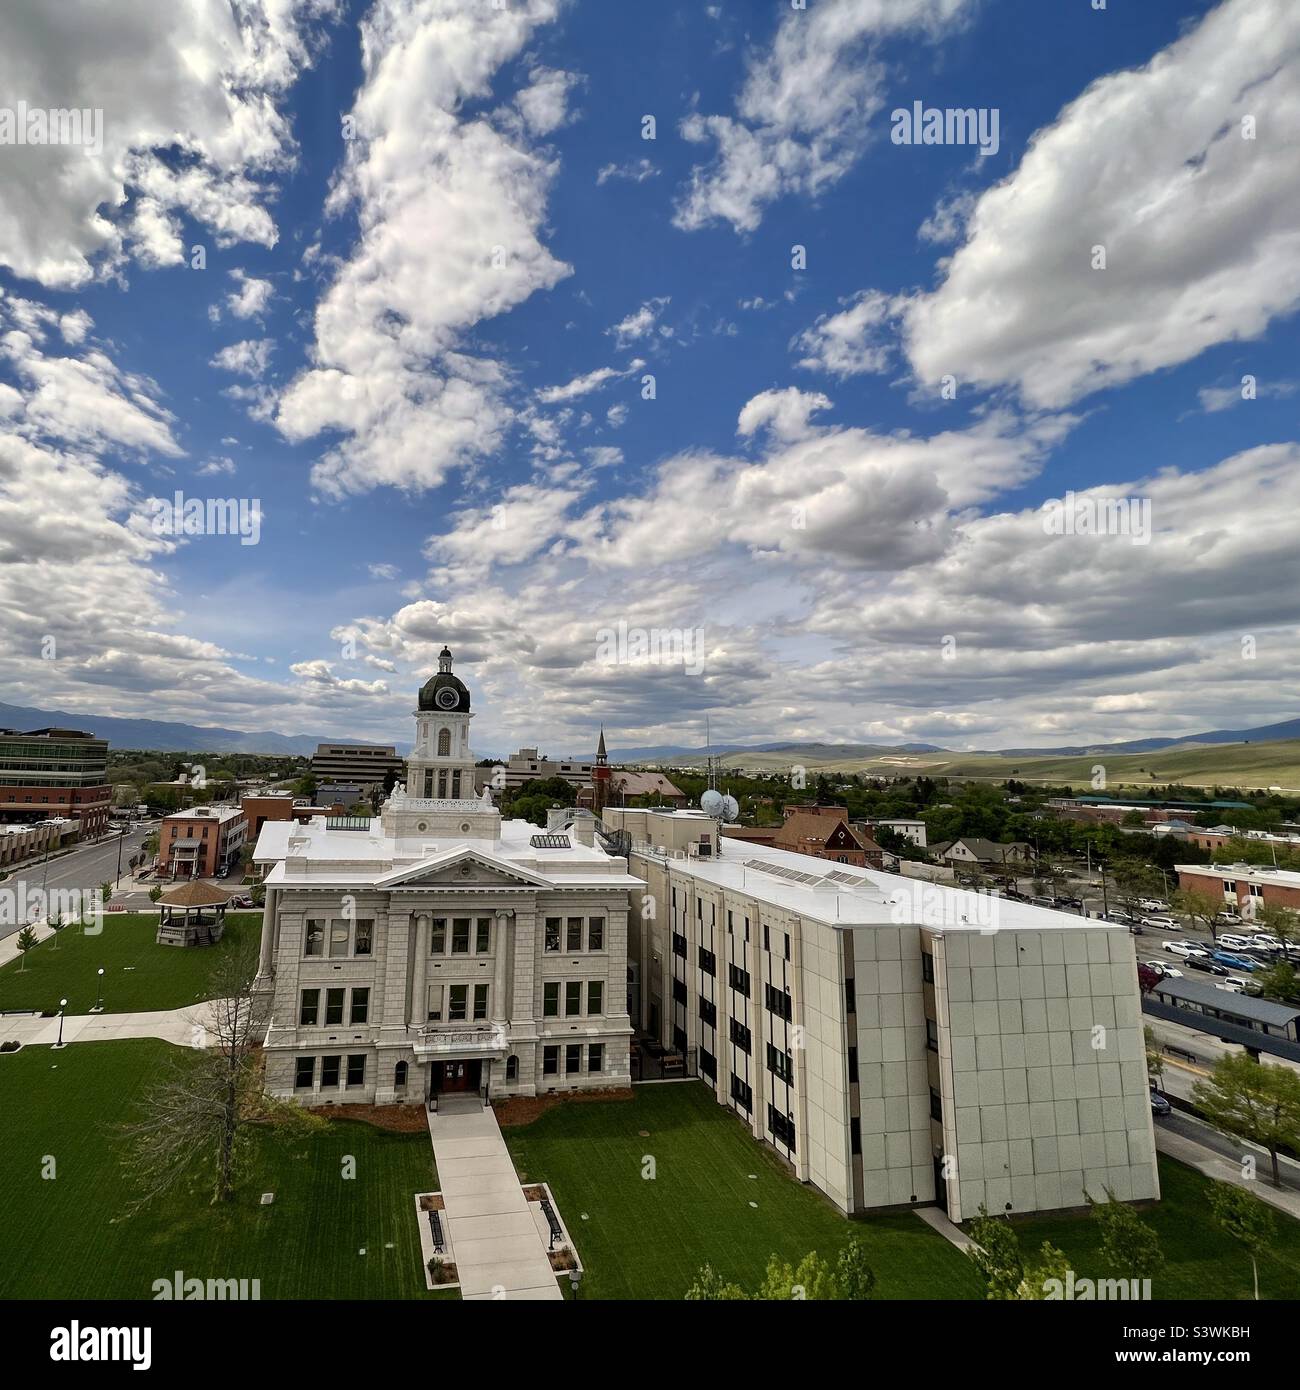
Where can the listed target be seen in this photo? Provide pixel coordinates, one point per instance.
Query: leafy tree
(26, 942)
(813, 1279)
(1198, 906)
(1006, 1273)
(1246, 1219)
(105, 891)
(1254, 1101)
(1280, 922)
(1278, 982)
(1128, 1244)
(155, 893)
(56, 925)
(1155, 1057)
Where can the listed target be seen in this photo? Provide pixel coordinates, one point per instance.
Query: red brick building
(1246, 885)
(55, 772)
(202, 841)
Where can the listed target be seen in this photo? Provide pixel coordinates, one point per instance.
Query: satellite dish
(730, 807)
(712, 802)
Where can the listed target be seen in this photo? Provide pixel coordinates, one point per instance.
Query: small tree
(1246, 1219)
(1006, 1274)
(1128, 1244)
(710, 1287)
(1155, 1057)
(26, 942)
(105, 891)
(1280, 922)
(154, 894)
(1197, 906)
(56, 925)
(1254, 1101)
(1278, 981)
(814, 1279)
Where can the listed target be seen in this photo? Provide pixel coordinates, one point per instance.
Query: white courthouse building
(437, 948)
(896, 1041)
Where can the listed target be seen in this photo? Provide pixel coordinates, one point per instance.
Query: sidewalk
(1222, 1169)
(494, 1239)
(183, 1027)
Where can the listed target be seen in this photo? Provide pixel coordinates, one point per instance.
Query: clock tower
(441, 765)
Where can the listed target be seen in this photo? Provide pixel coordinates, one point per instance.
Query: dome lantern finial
(444, 660)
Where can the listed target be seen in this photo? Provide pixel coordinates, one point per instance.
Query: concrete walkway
(184, 1027)
(493, 1236)
(953, 1234)
(1214, 1165)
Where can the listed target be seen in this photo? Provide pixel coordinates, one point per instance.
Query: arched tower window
(399, 1076)
(444, 742)
(512, 1068)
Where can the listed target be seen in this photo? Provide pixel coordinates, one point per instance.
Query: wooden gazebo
(192, 915)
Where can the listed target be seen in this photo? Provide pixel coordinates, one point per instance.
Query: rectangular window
(551, 999)
(483, 936)
(739, 979)
(708, 962)
(679, 1038)
(850, 995)
(572, 1059)
(936, 1105)
(709, 1013)
(855, 1135)
(767, 944)
(333, 1007)
(339, 934)
(927, 967)
(329, 1072)
(708, 1064)
(552, 933)
(853, 1065)
(572, 998)
(435, 1003)
(742, 1093)
(595, 933)
(573, 934)
(931, 1035)
(365, 934)
(596, 1057)
(780, 1063)
(782, 1127)
(480, 1001)
(550, 1061)
(679, 991)
(360, 1006)
(304, 1073)
(356, 1069)
(679, 945)
(457, 996)
(595, 996)
(779, 1002)
(740, 1035)
(438, 937)
(315, 942)
(460, 936)
(308, 1006)
(787, 945)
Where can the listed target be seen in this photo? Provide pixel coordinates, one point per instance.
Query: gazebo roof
(195, 894)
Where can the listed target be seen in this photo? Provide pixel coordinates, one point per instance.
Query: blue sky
(450, 447)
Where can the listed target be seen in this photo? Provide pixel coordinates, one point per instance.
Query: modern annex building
(898, 1042)
(438, 948)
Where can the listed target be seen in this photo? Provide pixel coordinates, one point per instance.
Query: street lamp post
(99, 1000)
(63, 1004)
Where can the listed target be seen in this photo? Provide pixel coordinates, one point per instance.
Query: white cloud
(201, 78)
(640, 323)
(1201, 227)
(587, 383)
(804, 112)
(388, 374)
(544, 103)
(251, 357)
(848, 343)
(250, 297)
(635, 171)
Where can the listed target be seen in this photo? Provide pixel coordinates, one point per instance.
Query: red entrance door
(456, 1076)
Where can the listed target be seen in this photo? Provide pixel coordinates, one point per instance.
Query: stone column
(266, 958)
(419, 987)
(503, 946)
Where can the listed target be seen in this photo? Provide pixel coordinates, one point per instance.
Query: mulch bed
(397, 1119)
(523, 1110)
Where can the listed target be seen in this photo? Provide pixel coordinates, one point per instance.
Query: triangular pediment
(462, 868)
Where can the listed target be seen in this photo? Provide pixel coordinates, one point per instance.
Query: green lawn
(64, 1238)
(1200, 1261)
(646, 1238)
(139, 974)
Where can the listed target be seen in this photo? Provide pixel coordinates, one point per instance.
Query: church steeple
(601, 777)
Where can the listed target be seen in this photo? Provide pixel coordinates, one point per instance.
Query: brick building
(55, 772)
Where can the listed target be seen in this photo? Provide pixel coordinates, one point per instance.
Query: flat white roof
(845, 896)
(1252, 873)
(217, 813)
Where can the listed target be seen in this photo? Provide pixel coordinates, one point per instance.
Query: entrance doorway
(451, 1077)
(940, 1186)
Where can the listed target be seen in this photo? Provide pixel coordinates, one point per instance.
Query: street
(86, 867)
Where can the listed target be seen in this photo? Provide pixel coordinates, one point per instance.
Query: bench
(1181, 1052)
(435, 1230)
(553, 1221)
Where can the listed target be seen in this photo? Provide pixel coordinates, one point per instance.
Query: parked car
(1160, 923)
(1234, 943)
(1180, 948)
(1263, 942)
(1230, 985)
(1162, 969)
(1228, 919)
(1118, 915)
(1152, 905)
(1209, 966)
(1236, 961)
(243, 900)
(1160, 1105)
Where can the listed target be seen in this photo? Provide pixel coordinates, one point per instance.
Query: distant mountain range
(167, 736)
